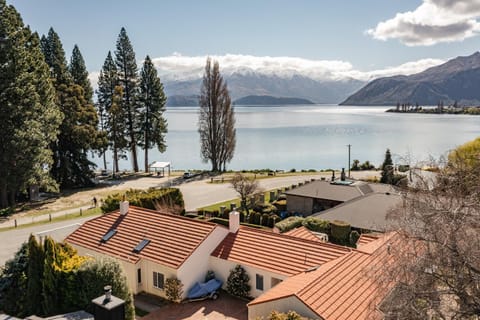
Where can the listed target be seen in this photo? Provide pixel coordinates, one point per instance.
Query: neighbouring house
(287, 271)
(349, 287)
(363, 205)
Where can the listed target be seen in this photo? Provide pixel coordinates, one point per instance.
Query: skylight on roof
(141, 245)
(108, 235)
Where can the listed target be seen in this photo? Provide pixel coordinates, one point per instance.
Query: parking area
(225, 307)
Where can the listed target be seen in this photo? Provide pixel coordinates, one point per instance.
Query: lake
(316, 137)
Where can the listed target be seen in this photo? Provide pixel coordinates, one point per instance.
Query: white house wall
(290, 303)
(222, 269)
(197, 264)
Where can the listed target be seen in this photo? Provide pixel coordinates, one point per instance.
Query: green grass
(216, 206)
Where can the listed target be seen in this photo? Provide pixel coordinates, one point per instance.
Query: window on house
(139, 275)
(259, 282)
(158, 280)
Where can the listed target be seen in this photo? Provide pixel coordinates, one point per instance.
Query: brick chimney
(234, 221)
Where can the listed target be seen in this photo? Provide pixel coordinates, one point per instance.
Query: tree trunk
(115, 160)
(146, 159)
(104, 161)
(3, 196)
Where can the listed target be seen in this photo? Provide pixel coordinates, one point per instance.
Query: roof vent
(142, 244)
(108, 235)
(312, 269)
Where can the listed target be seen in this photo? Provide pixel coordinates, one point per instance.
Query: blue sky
(401, 31)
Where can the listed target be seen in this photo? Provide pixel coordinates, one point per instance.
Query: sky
(327, 39)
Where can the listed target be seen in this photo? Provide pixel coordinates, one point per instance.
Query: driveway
(225, 307)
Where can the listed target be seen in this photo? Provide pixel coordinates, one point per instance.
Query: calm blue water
(316, 137)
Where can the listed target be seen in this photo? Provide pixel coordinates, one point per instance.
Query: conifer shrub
(210, 275)
(354, 236)
(272, 219)
(237, 282)
(173, 289)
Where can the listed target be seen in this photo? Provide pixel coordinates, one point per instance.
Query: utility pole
(349, 147)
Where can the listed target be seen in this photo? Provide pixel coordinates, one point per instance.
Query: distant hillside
(249, 82)
(182, 101)
(456, 80)
(269, 100)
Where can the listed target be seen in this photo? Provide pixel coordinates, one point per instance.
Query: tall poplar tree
(216, 124)
(152, 99)
(112, 117)
(127, 76)
(28, 114)
(79, 129)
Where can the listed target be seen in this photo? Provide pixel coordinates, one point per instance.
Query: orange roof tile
(366, 238)
(345, 288)
(278, 253)
(302, 233)
(172, 238)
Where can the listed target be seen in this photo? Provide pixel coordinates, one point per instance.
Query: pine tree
(216, 123)
(36, 259)
(28, 113)
(127, 76)
(152, 99)
(111, 117)
(79, 129)
(237, 282)
(79, 73)
(387, 174)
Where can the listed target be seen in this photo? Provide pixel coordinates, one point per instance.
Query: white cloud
(434, 21)
(178, 67)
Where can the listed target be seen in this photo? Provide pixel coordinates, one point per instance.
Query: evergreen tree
(127, 76)
(28, 114)
(36, 259)
(79, 73)
(152, 99)
(13, 282)
(79, 129)
(111, 116)
(237, 282)
(387, 174)
(49, 285)
(216, 123)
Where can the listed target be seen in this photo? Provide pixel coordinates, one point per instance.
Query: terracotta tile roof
(172, 238)
(302, 233)
(366, 238)
(349, 287)
(278, 253)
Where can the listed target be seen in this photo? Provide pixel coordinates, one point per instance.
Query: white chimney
(123, 207)
(234, 221)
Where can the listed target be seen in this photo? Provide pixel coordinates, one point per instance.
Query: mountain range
(456, 80)
(242, 84)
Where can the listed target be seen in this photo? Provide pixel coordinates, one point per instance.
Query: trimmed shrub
(173, 289)
(152, 198)
(257, 217)
(265, 218)
(317, 225)
(281, 205)
(289, 224)
(237, 282)
(340, 231)
(242, 216)
(354, 236)
(272, 219)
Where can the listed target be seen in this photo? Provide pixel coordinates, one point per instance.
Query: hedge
(340, 232)
(289, 223)
(317, 225)
(150, 199)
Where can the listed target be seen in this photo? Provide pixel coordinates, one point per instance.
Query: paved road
(10, 241)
